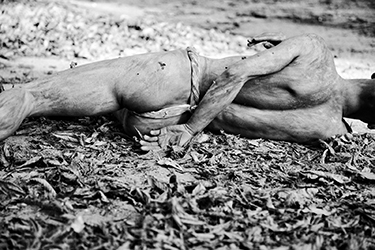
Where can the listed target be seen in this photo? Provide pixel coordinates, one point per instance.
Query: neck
(359, 99)
(214, 68)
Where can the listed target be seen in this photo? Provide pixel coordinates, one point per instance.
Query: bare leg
(301, 125)
(18, 103)
(82, 91)
(141, 83)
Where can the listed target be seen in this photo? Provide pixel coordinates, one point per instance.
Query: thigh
(82, 91)
(141, 83)
(301, 125)
(134, 124)
(248, 122)
(155, 81)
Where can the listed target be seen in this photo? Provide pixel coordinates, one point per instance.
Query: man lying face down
(290, 91)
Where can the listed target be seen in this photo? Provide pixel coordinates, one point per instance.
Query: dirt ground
(81, 184)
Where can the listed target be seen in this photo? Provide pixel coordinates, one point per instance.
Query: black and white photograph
(187, 124)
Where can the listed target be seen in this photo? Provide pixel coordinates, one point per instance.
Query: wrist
(190, 130)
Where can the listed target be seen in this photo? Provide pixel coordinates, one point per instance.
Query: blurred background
(96, 30)
(77, 184)
(39, 37)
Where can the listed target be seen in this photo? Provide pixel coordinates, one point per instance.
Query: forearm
(218, 97)
(226, 87)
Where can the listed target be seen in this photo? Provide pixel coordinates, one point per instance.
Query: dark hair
(373, 76)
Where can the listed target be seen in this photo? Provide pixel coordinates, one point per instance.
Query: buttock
(196, 76)
(135, 123)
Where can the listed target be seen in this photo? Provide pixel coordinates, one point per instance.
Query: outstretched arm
(223, 91)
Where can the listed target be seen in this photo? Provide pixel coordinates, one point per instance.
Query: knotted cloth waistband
(195, 75)
(194, 96)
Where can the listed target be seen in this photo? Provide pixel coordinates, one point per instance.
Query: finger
(138, 132)
(174, 140)
(150, 138)
(146, 143)
(150, 148)
(155, 132)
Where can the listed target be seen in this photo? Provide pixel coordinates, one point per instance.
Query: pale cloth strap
(195, 75)
(166, 112)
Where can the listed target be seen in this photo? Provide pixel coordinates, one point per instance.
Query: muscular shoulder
(309, 38)
(309, 42)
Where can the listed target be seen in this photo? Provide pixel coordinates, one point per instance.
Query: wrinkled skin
(291, 91)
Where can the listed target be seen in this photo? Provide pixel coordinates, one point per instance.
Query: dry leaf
(78, 225)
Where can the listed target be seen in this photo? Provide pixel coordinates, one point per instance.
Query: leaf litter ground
(81, 184)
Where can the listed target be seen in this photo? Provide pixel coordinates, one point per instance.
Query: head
(359, 100)
(372, 125)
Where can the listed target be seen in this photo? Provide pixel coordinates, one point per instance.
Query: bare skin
(289, 92)
(140, 83)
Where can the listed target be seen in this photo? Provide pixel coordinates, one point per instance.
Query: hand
(268, 39)
(160, 139)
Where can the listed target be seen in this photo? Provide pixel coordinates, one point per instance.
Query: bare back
(301, 102)
(309, 80)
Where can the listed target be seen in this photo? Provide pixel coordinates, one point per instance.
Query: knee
(16, 104)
